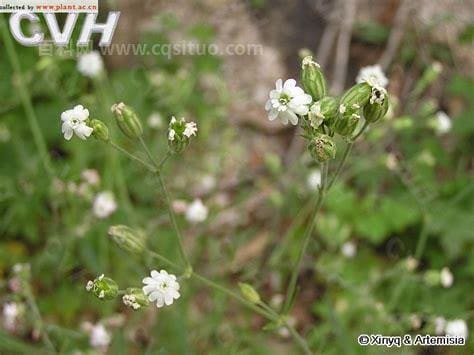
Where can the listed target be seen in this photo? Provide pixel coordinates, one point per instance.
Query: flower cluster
(323, 116)
(103, 287)
(180, 133)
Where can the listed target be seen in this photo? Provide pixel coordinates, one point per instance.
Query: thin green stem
(347, 152)
(38, 319)
(290, 294)
(341, 164)
(25, 98)
(172, 217)
(167, 197)
(267, 312)
(164, 160)
(133, 157)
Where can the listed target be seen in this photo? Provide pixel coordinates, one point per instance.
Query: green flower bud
(135, 298)
(128, 239)
(358, 94)
(348, 119)
(101, 131)
(249, 293)
(313, 79)
(374, 112)
(127, 120)
(322, 148)
(103, 288)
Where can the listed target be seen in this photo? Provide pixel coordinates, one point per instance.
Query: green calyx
(313, 79)
(127, 120)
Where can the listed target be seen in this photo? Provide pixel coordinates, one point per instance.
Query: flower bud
(359, 94)
(322, 148)
(127, 120)
(103, 288)
(313, 79)
(349, 117)
(128, 239)
(135, 298)
(249, 293)
(374, 112)
(101, 131)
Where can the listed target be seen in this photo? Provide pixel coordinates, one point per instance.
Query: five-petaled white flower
(443, 123)
(104, 205)
(457, 327)
(196, 212)
(75, 121)
(190, 129)
(161, 288)
(99, 337)
(287, 101)
(372, 75)
(446, 277)
(90, 64)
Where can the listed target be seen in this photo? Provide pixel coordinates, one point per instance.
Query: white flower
(349, 249)
(314, 179)
(372, 75)
(181, 129)
(90, 64)
(196, 212)
(342, 108)
(440, 324)
(171, 135)
(131, 301)
(74, 121)
(316, 116)
(104, 205)
(99, 337)
(190, 129)
(91, 176)
(443, 123)
(11, 313)
(308, 60)
(457, 327)
(446, 277)
(287, 101)
(155, 121)
(161, 288)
